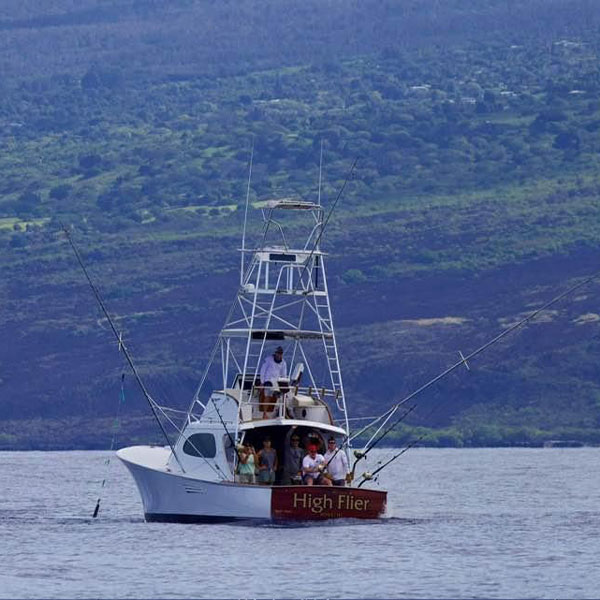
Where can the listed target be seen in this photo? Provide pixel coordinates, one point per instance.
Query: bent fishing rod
(374, 440)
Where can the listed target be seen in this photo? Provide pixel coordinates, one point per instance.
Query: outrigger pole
(463, 361)
(324, 224)
(328, 217)
(246, 214)
(122, 347)
(320, 173)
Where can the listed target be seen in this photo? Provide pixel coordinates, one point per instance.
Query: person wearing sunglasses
(313, 467)
(336, 463)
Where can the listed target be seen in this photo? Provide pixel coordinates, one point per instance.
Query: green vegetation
(477, 132)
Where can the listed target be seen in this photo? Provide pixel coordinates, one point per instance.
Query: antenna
(320, 172)
(246, 214)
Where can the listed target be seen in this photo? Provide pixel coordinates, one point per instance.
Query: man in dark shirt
(292, 467)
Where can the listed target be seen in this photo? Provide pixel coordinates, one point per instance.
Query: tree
(28, 202)
(90, 161)
(567, 140)
(60, 192)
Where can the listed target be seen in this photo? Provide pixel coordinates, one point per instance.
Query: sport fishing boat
(248, 398)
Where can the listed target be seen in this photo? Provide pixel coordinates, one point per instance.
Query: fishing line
(115, 430)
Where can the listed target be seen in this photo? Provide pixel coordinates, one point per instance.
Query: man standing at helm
(272, 369)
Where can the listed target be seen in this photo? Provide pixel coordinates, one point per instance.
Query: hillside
(477, 133)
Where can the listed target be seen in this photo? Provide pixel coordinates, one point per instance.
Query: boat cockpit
(288, 399)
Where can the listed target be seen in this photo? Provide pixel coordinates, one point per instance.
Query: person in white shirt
(336, 463)
(272, 369)
(312, 468)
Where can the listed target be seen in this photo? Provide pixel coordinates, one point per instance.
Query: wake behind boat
(265, 442)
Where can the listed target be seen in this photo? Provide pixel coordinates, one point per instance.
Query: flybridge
(282, 300)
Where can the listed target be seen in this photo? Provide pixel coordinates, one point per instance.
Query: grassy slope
(454, 222)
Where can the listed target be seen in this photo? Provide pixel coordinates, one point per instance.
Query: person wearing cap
(336, 463)
(313, 466)
(273, 368)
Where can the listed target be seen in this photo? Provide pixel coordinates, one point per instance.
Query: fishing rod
(116, 427)
(242, 258)
(463, 362)
(357, 453)
(335, 202)
(369, 476)
(360, 454)
(122, 347)
(370, 425)
(376, 420)
(338, 449)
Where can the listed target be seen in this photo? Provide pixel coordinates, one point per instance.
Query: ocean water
(493, 523)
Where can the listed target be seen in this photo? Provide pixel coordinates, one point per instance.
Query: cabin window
(201, 444)
(282, 257)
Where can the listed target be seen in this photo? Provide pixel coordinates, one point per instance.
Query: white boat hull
(173, 497)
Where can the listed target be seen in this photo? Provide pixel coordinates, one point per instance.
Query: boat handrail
(284, 403)
(292, 204)
(276, 334)
(316, 393)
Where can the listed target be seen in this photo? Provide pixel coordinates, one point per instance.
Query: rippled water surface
(497, 523)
